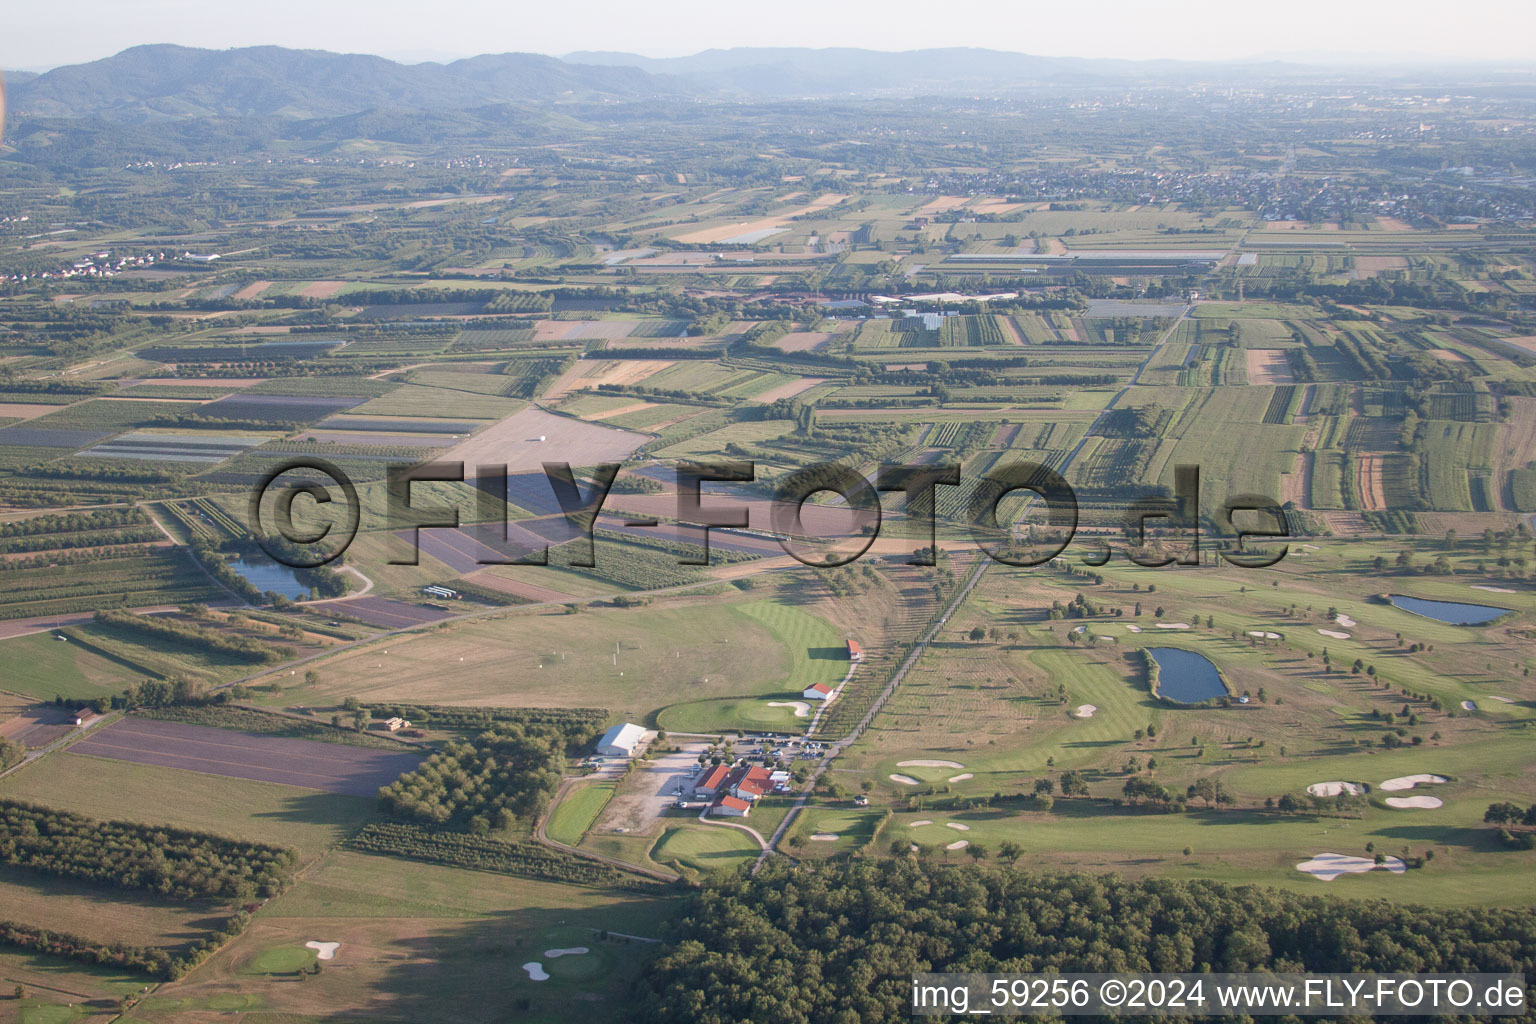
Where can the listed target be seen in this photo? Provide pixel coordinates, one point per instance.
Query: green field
(574, 814)
(704, 848)
(307, 820)
(40, 666)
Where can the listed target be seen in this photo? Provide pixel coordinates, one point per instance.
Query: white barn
(621, 740)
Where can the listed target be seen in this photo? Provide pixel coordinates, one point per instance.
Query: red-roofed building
(751, 784)
(855, 652)
(818, 691)
(730, 807)
(712, 781)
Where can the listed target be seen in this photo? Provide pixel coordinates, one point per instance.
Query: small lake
(1185, 676)
(268, 575)
(1454, 612)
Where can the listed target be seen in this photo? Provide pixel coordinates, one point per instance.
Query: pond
(1185, 676)
(1454, 612)
(268, 575)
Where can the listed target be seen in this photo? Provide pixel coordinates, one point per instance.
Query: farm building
(730, 807)
(818, 691)
(710, 782)
(621, 740)
(855, 652)
(392, 724)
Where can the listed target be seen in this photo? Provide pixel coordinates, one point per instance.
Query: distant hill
(149, 83)
(785, 71)
(177, 81)
(17, 77)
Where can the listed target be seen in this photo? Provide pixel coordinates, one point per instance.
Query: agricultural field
(1316, 292)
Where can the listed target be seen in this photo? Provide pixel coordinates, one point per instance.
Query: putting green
(281, 960)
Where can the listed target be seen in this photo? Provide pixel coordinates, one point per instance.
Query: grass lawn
(571, 818)
(307, 820)
(728, 713)
(42, 667)
(281, 960)
(427, 942)
(704, 848)
(699, 647)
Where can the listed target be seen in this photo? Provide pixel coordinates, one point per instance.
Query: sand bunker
(536, 971)
(1345, 621)
(1264, 634)
(1501, 700)
(962, 777)
(905, 780)
(1134, 629)
(825, 837)
(1335, 634)
(957, 826)
(568, 951)
(1325, 867)
(1173, 625)
(1492, 590)
(1405, 802)
(802, 709)
(323, 950)
(1469, 705)
(1334, 788)
(958, 844)
(925, 821)
(929, 764)
(1409, 781)
(1085, 710)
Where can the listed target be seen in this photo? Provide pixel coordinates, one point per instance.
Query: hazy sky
(39, 35)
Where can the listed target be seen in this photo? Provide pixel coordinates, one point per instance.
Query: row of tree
(173, 862)
(199, 638)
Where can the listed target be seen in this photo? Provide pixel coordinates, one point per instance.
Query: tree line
(172, 862)
(840, 941)
(507, 772)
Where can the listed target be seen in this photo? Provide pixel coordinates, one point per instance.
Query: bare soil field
(1269, 366)
(590, 373)
(381, 611)
(1370, 266)
(1368, 482)
(1512, 450)
(563, 330)
(941, 204)
(486, 578)
(744, 231)
(1296, 486)
(36, 725)
(515, 441)
(803, 341)
(322, 289)
(329, 767)
(1392, 224)
(25, 410)
(252, 290)
(622, 410)
(1525, 341)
